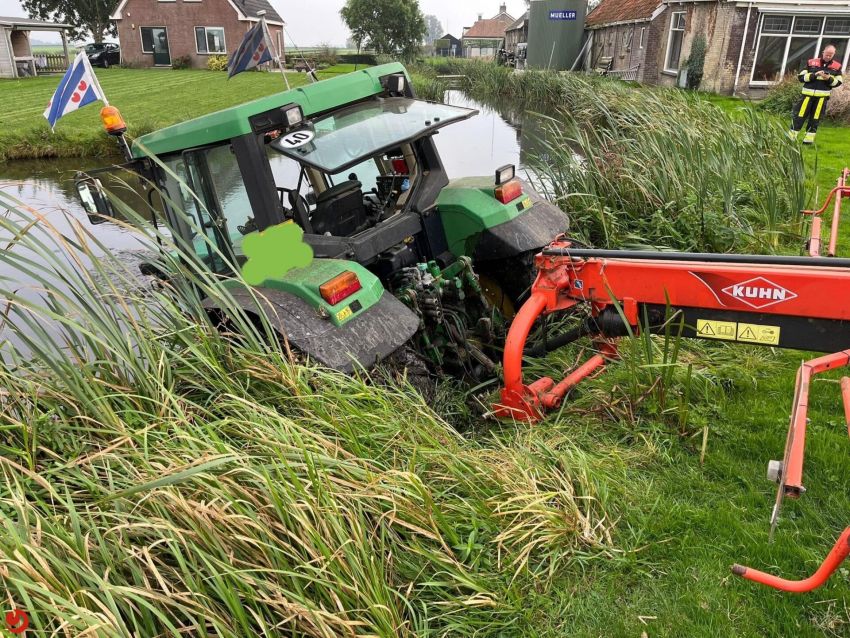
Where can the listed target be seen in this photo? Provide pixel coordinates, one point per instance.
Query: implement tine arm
(815, 242)
(835, 557)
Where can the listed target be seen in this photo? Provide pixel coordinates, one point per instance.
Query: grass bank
(148, 98)
(161, 479)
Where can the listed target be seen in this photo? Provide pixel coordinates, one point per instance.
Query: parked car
(103, 54)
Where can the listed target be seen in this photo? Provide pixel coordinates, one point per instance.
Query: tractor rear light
(400, 166)
(508, 192)
(112, 120)
(340, 287)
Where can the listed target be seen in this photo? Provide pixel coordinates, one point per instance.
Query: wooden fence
(50, 62)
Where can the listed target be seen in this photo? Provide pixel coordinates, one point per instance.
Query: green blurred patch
(274, 252)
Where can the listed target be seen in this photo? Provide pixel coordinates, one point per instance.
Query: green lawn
(148, 99)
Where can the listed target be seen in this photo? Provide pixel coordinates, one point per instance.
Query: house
(750, 45)
(158, 32)
(448, 47)
(16, 55)
(484, 38)
(517, 33)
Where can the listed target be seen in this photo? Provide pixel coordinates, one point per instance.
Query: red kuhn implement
(786, 302)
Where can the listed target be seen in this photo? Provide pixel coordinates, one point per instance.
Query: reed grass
(159, 478)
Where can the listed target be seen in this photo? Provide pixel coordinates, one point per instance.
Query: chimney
(480, 16)
(503, 8)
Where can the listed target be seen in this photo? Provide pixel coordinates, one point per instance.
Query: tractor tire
(514, 275)
(407, 364)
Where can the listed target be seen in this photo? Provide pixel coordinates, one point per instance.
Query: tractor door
(220, 206)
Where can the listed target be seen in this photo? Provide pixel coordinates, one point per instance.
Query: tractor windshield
(347, 137)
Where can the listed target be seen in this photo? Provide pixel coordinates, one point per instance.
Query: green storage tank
(555, 33)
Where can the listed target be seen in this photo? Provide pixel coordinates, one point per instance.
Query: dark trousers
(812, 108)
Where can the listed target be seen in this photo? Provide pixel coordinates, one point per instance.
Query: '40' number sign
(299, 138)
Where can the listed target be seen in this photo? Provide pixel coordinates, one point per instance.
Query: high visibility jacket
(816, 87)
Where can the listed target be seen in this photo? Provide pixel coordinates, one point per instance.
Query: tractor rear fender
(477, 224)
(361, 329)
(370, 337)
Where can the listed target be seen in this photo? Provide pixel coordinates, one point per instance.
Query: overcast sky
(318, 21)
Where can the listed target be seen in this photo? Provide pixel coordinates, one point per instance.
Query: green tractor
(404, 257)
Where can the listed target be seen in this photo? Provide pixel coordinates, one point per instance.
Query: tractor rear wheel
(407, 364)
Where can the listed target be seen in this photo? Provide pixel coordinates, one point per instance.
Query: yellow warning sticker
(726, 330)
(344, 314)
(762, 335)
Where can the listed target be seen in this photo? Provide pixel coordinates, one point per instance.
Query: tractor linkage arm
(786, 302)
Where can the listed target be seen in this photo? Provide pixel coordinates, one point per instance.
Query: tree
(434, 30)
(86, 16)
(388, 26)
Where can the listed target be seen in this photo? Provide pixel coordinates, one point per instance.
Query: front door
(161, 54)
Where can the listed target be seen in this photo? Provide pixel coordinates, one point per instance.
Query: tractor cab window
(210, 191)
(360, 161)
(345, 202)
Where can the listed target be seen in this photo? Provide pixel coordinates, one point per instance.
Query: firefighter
(819, 78)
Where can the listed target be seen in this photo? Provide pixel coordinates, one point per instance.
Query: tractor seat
(340, 210)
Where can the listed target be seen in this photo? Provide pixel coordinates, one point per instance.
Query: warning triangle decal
(747, 334)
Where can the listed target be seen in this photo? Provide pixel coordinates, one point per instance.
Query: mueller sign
(759, 292)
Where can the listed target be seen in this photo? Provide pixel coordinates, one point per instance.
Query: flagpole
(262, 15)
(94, 78)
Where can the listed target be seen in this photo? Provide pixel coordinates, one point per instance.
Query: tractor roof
(233, 122)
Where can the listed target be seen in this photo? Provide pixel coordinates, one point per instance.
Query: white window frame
(674, 29)
(142, 40)
(195, 34)
(822, 40)
(642, 32)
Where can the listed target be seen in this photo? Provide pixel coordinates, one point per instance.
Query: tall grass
(159, 478)
(650, 166)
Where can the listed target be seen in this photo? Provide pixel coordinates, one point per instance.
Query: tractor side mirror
(94, 199)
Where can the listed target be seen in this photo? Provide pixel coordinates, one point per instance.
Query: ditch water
(476, 146)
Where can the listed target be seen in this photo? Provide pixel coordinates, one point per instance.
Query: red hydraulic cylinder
(839, 552)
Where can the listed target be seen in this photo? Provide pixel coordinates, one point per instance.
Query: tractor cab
(427, 262)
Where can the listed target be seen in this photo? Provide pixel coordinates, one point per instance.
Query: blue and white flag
(78, 87)
(255, 49)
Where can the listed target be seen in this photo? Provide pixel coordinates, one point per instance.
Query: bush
(182, 62)
(781, 98)
(326, 55)
(696, 62)
(361, 58)
(647, 166)
(838, 108)
(217, 63)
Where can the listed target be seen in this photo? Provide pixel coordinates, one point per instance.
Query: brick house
(750, 45)
(156, 32)
(484, 38)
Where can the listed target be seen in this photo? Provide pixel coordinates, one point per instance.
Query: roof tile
(609, 11)
(492, 28)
